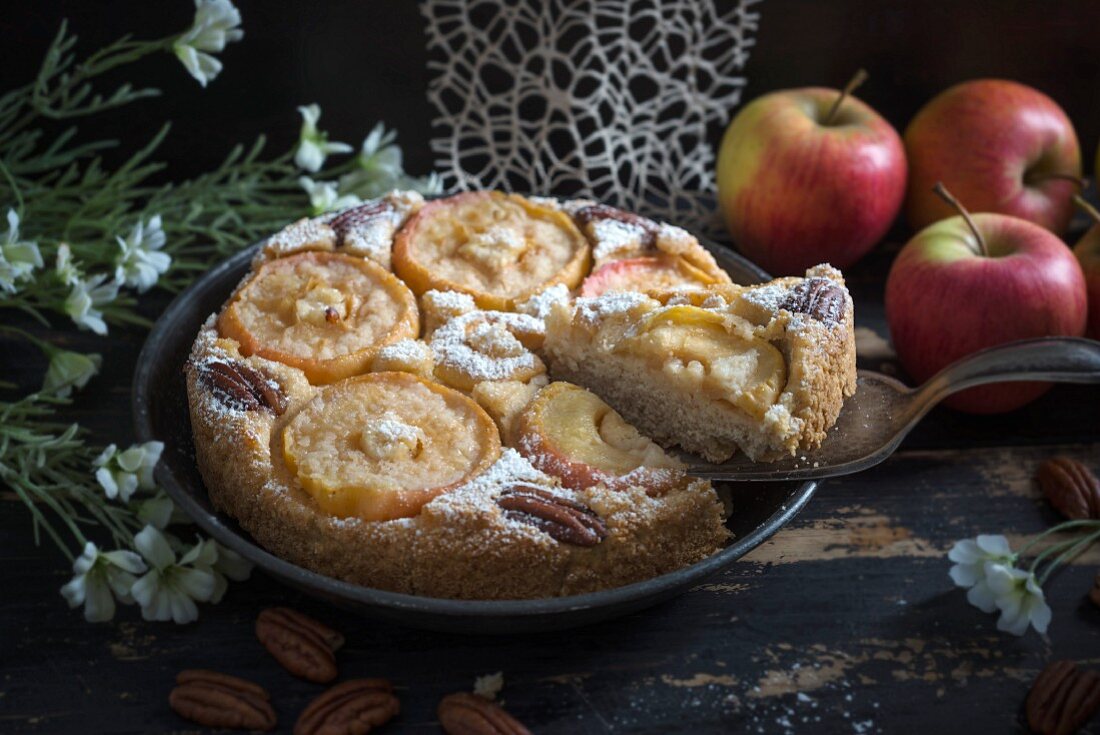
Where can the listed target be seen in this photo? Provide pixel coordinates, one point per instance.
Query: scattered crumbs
(803, 697)
(489, 686)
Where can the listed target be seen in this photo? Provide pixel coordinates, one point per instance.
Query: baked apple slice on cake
(498, 248)
(327, 314)
(569, 433)
(380, 446)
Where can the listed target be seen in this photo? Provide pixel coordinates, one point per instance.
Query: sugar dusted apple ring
(488, 346)
(499, 248)
(645, 274)
(325, 313)
(380, 446)
(570, 433)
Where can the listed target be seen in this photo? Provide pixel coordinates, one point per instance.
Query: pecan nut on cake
(472, 397)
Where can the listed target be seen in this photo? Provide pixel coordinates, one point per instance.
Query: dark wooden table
(846, 621)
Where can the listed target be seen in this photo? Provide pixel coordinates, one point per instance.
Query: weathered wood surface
(846, 621)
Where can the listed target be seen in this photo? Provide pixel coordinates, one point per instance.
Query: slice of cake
(764, 369)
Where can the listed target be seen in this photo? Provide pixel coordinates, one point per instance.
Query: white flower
(221, 562)
(168, 591)
(67, 272)
(18, 258)
(69, 370)
(85, 296)
(1020, 599)
(215, 25)
(323, 196)
(140, 261)
(971, 555)
(313, 145)
(122, 473)
(98, 578)
(158, 511)
(379, 154)
(973, 559)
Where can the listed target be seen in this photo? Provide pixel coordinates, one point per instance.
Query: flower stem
(1065, 526)
(1065, 556)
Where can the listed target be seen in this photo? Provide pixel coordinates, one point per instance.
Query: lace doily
(613, 99)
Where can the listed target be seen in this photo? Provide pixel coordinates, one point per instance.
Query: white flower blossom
(158, 511)
(379, 154)
(169, 589)
(971, 555)
(222, 563)
(313, 145)
(140, 261)
(100, 577)
(18, 258)
(1020, 599)
(215, 25)
(122, 473)
(84, 298)
(67, 272)
(68, 370)
(323, 196)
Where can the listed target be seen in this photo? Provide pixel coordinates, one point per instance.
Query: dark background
(364, 60)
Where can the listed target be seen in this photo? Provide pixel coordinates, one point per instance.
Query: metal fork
(883, 410)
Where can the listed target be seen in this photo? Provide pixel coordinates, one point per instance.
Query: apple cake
(472, 397)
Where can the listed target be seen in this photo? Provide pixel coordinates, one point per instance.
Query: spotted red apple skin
(945, 301)
(999, 146)
(796, 191)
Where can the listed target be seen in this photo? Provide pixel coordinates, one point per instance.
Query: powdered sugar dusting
(482, 344)
(305, 234)
(591, 311)
(614, 239)
(406, 350)
(540, 304)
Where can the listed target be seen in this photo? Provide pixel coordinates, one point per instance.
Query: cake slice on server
(763, 369)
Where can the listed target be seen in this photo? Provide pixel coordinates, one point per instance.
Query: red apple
(807, 176)
(1000, 147)
(1087, 251)
(974, 281)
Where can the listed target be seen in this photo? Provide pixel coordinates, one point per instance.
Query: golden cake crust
(511, 531)
(461, 545)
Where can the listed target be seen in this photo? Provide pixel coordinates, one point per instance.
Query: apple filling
(324, 313)
(694, 349)
(380, 446)
(568, 432)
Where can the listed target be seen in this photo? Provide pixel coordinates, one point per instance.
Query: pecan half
(1070, 487)
(303, 646)
(820, 298)
(1062, 699)
(212, 699)
(565, 520)
(350, 708)
(647, 228)
(469, 714)
(357, 217)
(239, 386)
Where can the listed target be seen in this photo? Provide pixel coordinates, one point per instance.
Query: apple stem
(1089, 209)
(1032, 179)
(944, 194)
(857, 79)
